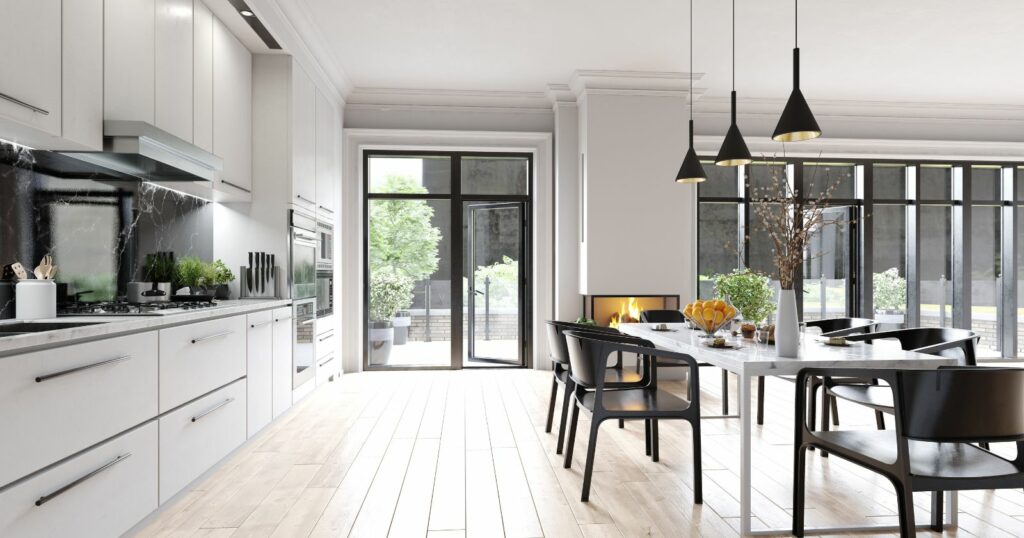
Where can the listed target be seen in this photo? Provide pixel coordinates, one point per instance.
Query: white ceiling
(934, 51)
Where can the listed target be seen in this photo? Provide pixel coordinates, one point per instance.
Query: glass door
(494, 285)
(827, 266)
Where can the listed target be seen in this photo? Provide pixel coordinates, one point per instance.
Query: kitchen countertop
(117, 326)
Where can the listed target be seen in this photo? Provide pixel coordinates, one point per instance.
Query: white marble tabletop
(753, 359)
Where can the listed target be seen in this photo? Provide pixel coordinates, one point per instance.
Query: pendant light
(734, 150)
(691, 171)
(797, 122)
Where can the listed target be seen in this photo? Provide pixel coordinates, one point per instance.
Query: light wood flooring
(447, 454)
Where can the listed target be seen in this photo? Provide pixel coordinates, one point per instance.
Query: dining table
(749, 359)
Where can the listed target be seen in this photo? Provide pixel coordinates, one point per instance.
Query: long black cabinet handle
(303, 198)
(327, 209)
(260, 324)
(326, 361)
(210, 337)
(326, 337)
(286, 318)
(239, 187)
(69, 371)
(212, 409)
(29, 106)
(51, 496)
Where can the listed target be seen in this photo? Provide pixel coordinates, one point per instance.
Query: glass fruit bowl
(710, 316)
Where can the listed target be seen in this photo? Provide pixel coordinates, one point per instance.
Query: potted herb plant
(158, 274)
(390, 292)
(195, 274)
(750, 293)
(221, 276)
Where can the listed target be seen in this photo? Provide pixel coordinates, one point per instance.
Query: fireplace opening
(611, 310)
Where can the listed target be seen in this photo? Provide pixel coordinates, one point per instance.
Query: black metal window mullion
(457, 262)
(797, 183)
(961, 246)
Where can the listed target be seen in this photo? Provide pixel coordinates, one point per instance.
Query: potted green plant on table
(389, 293)
(750, 293)
(195, 274)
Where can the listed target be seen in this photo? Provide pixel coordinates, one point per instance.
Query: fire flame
(629, 312)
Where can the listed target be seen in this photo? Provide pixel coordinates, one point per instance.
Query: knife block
(270, 289)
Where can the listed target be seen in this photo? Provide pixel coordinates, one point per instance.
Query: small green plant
(749, 292)
(390, 292)
(221, 273)
(585, 321)
(890, 290)
(194, 273)
(159, 267)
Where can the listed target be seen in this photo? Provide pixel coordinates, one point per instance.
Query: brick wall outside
(503, 326)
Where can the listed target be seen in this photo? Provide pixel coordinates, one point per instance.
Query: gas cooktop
(120, 308)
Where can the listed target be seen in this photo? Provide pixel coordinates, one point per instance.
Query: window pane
(889, 182)
(718, 232)
(760, 252)
(405, 174)
(1020, 281)
(936, 182)
(762, 177)
(826, 260)
(721, 181)
(495, 175)
(820, 177)
(985, 183)
(889, 258)
(410, 265)
(985, 273)
(1020, 184)
(936, 266)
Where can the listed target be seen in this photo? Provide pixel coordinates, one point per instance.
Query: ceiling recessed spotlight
(247, 13)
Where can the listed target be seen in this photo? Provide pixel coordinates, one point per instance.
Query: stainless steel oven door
(325, 245)
(324, 293)
(302, 273)
(303, 346)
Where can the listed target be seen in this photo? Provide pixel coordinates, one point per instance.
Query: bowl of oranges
(711, 315)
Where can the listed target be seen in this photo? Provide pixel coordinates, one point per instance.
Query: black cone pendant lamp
(797, 122)
(691, 171)
(734, 150)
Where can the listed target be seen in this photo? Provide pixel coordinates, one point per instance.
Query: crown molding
(560, 95)
(617, 82)
(883, 111)
(462, 100)
(299, 34)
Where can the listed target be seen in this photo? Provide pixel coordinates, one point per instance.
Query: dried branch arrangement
(789, 221)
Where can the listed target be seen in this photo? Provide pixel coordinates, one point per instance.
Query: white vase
(787, 331)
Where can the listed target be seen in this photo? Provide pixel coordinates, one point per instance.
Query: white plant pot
(381, 340)
(787, 330)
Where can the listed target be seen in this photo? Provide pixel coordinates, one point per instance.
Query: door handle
(211, 337)
(212, 409)
(260, 324)
(29, 106)
(62, 373)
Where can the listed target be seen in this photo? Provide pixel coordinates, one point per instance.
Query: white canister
(35, 299)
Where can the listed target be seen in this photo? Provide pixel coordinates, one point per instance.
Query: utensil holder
(35, 299)
(270, 290)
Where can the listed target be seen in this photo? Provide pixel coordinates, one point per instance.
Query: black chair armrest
(942, 346)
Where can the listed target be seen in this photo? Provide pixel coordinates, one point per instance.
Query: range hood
(140, 150)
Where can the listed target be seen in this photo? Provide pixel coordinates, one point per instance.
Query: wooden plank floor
(451, 454)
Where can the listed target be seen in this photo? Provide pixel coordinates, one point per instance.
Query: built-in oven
(304, 338)
(325, 245)
(324, 293)
(302, 268)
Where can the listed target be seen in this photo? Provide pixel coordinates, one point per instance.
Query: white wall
(568, 305)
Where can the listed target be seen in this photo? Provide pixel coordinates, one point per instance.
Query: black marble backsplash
(98, 232)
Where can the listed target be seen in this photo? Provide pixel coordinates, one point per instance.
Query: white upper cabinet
(303, 139)
(232, 112)
(129, 60)
(173, 68)
(326, 156)
(202, 77)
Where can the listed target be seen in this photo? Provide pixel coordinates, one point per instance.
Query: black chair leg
(937, 506)
(824, 412)
(698, 472)
(880, 420)
(588, 471)
(905, 499)
(572, 436)
(551, 404)
(725, 392)
(812, 408)
(566, 402)
(622, 423)
(647, 436)
(760, 401)
(799, 472)
(654, 440)
(835, 410)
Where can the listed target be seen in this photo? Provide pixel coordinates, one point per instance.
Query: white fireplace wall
(639, 225)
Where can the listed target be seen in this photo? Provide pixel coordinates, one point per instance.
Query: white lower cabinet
(199, 357)
(99, 493)
(281, 366)
(327, 367)
(198, 435)
(56, 402)
(259, 373)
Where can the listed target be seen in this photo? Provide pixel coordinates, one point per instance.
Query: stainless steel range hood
(141, 150)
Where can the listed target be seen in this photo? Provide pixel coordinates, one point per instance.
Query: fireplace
(610, 310)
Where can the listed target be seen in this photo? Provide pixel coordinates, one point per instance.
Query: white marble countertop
(760, 359)
(110, 326)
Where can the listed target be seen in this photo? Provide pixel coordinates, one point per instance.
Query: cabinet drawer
(199, 357)
(198, 435)
(326, 368)
(102, 492)
(59, 401)
(258, 371)
(326, 344)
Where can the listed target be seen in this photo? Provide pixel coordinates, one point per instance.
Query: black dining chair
(588, 355)
(955, 343)
(615, 375)
(675, 316)
(939, 415)
(828, 327)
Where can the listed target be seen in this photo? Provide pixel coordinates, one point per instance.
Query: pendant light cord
(796, 23)
(690, 75)
(733, 45)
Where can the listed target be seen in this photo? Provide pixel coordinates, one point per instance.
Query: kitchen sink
(28, 327)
